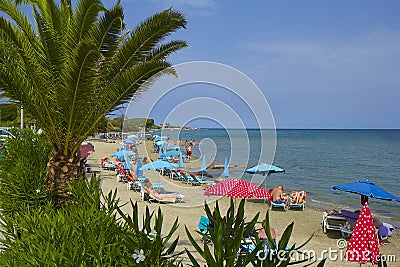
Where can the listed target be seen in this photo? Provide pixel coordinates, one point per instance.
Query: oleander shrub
(91, 230)
(23, 172)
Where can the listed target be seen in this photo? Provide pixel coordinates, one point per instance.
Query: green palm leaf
(71, 66)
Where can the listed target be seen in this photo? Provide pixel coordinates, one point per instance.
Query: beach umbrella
(363, 245)
(235, 188)
(129, 141)
(170, 146)
(160, 154)
(264, 169)
(157, 165)
(127, 162)
(129, 153)
(139, 172)
(174, 153)
(180, 163)
(119, 154)
(366, 189)
(226, 168)
(161, 143)
(203, 166)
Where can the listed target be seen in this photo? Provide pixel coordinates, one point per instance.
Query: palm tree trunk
(61, 171)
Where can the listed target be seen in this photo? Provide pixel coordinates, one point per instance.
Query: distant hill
(134, 124)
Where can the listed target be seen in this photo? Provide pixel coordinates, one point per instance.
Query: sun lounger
(162, 198)
(332, 222)
(283, 204)
(299, 205)
(201, 181)
(274, 204)
(351, 219)
(108, 165)
(204, 222)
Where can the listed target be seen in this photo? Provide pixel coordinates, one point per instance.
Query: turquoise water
(315, 160)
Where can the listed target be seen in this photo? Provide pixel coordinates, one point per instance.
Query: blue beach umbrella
(127, 163)
(366, 189)
(139, 172)
(157, 165)
(264, 169)
(129, 153)
(119, 154)
(161, 154)
(180, 163)
(129, 141)
(161, 143)
(174, 153)
(226, 168)
(203, 165)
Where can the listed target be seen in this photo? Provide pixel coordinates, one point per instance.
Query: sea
(313, 160)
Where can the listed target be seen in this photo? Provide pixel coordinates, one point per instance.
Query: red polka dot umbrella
(236, 188)
(363, 246)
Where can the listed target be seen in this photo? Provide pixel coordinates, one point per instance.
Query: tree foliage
(70, 66)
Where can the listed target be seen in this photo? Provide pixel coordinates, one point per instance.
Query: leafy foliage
(72, 65)
(23, 171)
(88, 232)
(227, 233)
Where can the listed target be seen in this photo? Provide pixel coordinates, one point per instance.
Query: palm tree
(70, 66)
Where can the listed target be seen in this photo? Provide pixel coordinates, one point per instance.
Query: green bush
(90, 231)
(23, 172)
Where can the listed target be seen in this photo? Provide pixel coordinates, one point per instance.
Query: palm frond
(144, 38)
(74, 65)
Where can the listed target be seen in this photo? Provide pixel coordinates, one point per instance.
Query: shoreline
(307, 222)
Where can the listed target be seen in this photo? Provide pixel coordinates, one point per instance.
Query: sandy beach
(306, 222)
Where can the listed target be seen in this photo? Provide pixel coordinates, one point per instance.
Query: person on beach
(145, 161)
(189, 152)
(263, 235)
(297, 196)
(278, 196)
(148, 188)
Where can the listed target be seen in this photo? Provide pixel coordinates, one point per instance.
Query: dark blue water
(314, 160)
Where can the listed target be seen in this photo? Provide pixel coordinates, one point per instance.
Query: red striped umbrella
(363, 246)
(236, 188)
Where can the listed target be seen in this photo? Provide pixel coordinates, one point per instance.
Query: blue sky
(320, 64)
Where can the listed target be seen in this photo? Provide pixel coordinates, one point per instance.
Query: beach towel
(386, 229)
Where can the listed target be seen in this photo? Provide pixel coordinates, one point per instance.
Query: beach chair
(181, 176)
(204, 222)
(273, 204)
(300, 204)
(332, 221)
(173, 175)
(201, 181)
(108, 165)
(154, 196)
(351, 219)
(190, 179)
